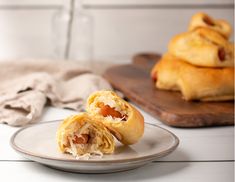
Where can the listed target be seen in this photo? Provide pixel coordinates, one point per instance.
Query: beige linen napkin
(27, 85)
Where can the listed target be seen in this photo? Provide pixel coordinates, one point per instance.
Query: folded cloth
(27, 85)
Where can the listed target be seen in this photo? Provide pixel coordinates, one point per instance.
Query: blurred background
(120, 28)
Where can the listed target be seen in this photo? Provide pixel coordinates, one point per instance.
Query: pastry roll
(122, 119)
(204, 20)
(81, 135)
(203, 47)
(195, 83)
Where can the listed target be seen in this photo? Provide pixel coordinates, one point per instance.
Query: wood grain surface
(168, 106)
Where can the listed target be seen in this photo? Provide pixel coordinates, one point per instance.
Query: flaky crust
(195, 83)
(128, 132)
(203, 47)
(203, 20)
(69, 125)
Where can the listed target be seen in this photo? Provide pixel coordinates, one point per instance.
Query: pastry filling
(110, 108)
(208, 21)
(107, 111)
(154, 76)
(83, 143)
(221, 54)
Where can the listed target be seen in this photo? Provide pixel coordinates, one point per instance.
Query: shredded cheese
(77, 149)
(83, 128)
(110, 101)
(87, 156)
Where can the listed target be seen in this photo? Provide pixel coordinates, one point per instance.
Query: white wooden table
(204, 154)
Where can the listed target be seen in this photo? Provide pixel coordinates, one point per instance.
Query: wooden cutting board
(168, 106)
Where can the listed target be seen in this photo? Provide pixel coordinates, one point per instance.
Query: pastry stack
(200, 62)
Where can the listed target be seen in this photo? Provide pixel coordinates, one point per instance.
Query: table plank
(154, 172)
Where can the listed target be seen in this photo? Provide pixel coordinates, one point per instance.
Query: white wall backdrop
(122, 27)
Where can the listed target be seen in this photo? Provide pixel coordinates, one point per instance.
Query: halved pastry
(81, 135)
(122, 119)
(195, 83)
(203, 20)
(203, 47)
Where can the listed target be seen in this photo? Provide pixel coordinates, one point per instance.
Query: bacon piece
(221, 54)
(208, 21)
(82, 139)
(106, 110)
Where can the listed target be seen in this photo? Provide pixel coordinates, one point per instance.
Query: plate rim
(138, 159)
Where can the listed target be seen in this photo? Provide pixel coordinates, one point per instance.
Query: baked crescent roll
(203, 47)
(195, 83)
(122, 119)
(81, 135)
(203, 20)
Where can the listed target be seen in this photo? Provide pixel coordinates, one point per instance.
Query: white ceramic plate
(37, 142)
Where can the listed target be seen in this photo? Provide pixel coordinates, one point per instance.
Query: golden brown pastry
(195, 83)
(81, 135)
(125, 122)
(203, 20)
(203, 47)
